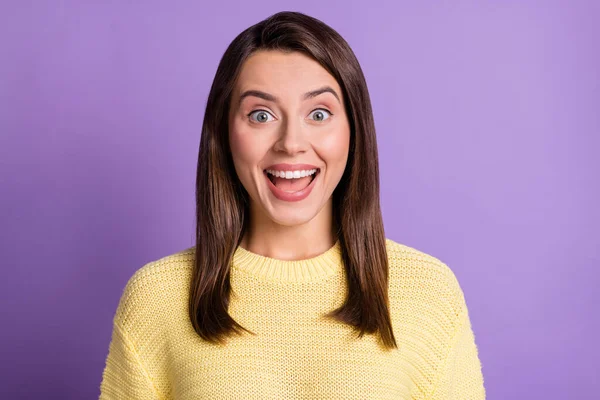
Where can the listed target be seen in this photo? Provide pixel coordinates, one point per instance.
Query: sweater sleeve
(124, 375)
(461, 377)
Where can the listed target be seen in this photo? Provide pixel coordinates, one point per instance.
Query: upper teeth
(291, 174)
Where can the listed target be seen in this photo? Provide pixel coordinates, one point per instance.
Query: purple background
(488, 122)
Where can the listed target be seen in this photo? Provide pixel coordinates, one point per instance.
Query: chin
(291, 215)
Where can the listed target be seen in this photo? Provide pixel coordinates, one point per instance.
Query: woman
(292, 290)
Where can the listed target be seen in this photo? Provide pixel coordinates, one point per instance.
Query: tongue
(292, 185)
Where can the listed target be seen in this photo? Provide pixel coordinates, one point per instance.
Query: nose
(292, 137)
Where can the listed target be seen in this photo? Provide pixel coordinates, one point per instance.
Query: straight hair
(222, 203)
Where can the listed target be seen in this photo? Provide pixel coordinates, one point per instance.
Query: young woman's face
(275, 119)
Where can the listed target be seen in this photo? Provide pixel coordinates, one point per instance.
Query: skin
(291, 130)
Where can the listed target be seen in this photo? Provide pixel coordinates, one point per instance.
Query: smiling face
(287, 109)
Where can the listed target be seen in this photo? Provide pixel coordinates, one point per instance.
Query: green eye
(320, 115)
(262, 116)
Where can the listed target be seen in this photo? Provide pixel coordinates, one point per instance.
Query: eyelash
(254, 111)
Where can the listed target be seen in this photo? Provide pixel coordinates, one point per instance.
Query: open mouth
(272, 177)
(294, 184)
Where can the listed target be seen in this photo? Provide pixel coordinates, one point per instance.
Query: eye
(262, 116)
(319, 115)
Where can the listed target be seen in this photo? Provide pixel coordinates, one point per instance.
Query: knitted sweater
(155, 353)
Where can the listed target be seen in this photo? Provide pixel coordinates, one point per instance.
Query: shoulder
(410, 259)
(418, 274)
(162, 268)
(154, 287)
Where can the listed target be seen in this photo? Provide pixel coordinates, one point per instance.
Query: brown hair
(222, 202)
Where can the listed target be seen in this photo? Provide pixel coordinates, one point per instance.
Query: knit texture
(155, 353)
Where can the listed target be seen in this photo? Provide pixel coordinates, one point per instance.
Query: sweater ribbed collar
(272, 269)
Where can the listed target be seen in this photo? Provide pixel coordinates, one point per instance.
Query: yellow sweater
(155, 353)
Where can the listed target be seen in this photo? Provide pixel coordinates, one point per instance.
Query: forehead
(283, 74)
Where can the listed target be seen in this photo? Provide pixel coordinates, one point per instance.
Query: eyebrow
(270, 97)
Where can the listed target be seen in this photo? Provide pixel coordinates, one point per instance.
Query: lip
(296, 196)
(291, 167)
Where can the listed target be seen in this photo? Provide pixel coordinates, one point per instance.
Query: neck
(294, 241)
(309, 269)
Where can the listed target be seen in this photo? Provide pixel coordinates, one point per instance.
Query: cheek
(334, 148)
(246, 150)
